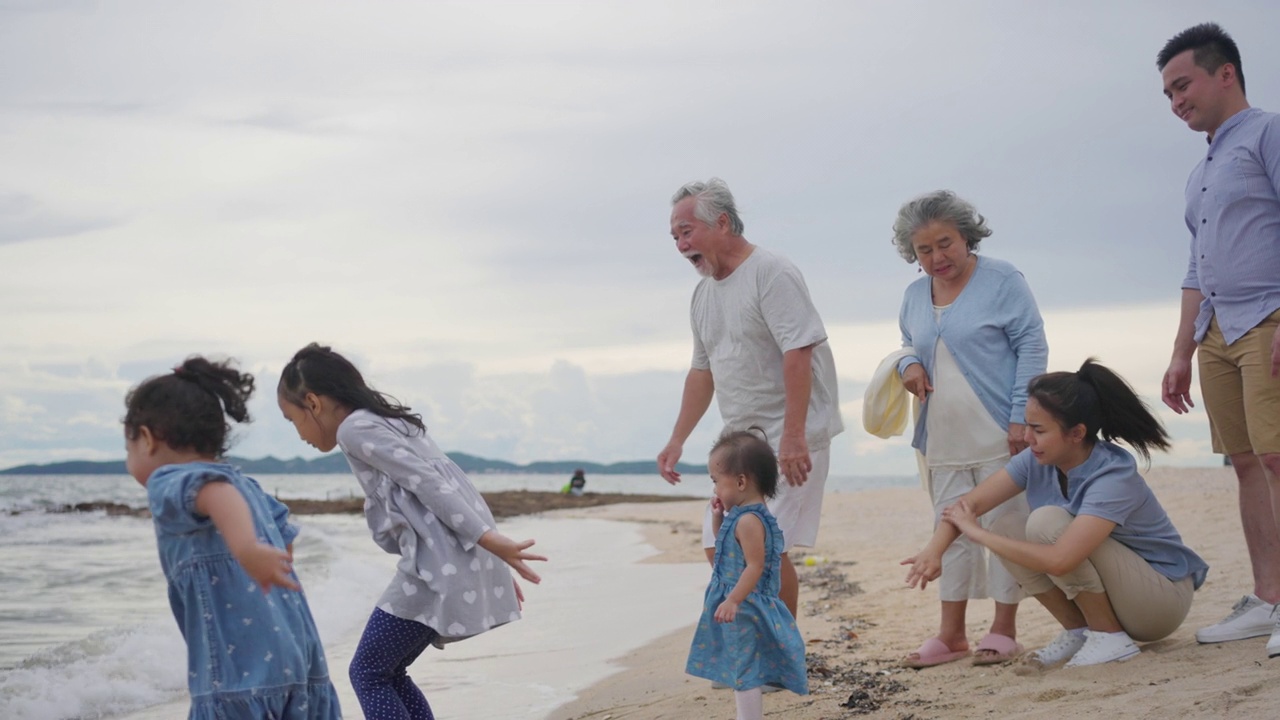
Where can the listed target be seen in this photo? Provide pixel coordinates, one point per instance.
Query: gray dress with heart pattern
(421, 506)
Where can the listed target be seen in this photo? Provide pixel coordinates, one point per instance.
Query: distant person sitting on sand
(221, 538)
(421, 507)
(747, 637)
(577, 483)
(1100, 553)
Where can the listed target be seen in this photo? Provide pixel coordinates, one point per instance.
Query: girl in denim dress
(225, 547)
(747, 638)
(452, 580)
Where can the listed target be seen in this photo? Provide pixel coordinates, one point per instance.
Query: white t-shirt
(742, 325)
(961, 431)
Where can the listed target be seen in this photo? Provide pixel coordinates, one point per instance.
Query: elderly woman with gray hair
(976, 340)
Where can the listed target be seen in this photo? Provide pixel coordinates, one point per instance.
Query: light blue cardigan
(993, 330)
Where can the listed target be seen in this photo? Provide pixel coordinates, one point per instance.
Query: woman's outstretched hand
(512, 553)
(961, 515)
(925, 568)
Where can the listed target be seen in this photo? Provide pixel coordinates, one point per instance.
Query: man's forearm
(797, 381)
(1184, 343)
(699, 389)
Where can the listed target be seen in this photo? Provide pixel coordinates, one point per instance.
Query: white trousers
(969, 571)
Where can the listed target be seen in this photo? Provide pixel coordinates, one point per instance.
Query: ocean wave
(105, 674)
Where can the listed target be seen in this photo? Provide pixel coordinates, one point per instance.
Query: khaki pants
(1240, 396)
(1148, 605)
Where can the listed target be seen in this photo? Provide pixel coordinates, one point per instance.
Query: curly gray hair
(710, 199)
(940, 206)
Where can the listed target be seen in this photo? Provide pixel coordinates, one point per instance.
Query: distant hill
(337, 463)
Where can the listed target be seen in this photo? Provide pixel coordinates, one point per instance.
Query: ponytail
(317, 369)
(188, 408)
(1098, 398)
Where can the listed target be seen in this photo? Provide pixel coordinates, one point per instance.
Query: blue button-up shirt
(1233, 212)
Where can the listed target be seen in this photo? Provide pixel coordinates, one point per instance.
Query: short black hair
(1212, 47)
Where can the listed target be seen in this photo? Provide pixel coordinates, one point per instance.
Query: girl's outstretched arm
(266, 564)
(750, 535)
(512, 553)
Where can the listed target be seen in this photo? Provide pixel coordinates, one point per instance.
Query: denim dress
(762, 646)
(250, 655)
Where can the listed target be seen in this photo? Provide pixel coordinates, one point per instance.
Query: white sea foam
(109, 673)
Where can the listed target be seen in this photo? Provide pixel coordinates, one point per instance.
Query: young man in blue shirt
(1231, 300)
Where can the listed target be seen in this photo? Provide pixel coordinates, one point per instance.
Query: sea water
(86, 631)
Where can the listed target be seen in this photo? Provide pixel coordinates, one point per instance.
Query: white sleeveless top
(961, 431)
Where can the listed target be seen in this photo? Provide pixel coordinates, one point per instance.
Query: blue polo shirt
(1108, 486)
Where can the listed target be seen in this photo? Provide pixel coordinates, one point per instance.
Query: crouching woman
(1099, 552)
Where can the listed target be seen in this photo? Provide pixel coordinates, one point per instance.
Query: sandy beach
(859, 619)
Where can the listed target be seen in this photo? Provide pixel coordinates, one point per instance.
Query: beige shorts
(797, 509)
(1240, 396)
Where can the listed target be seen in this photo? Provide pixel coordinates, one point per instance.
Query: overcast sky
(471, 199)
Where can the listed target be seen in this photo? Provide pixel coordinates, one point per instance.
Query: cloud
(23, 218)
(473, 198)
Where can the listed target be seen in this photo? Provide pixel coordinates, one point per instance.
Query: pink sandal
(933, 652)
(999, 649)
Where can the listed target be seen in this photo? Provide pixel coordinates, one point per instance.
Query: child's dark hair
(318, 369)
(1099, 399)
(747, 453)
(187, 409)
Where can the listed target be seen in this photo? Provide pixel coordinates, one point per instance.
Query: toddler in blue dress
(746, 638)
(225, 547)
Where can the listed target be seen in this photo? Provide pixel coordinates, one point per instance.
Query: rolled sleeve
(789, 312)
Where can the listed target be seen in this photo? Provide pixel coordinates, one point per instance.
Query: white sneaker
(1063, 647)
(1251, 617)
(1273, 645)
(1101, 647)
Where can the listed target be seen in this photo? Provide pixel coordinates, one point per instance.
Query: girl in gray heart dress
(451, 582)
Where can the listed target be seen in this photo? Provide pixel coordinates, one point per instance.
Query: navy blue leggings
(387, 648)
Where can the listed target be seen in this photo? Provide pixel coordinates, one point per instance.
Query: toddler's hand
(512, 553)
(727, 611)
(268, 566)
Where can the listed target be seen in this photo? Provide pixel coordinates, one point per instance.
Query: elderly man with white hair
(760, 349)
